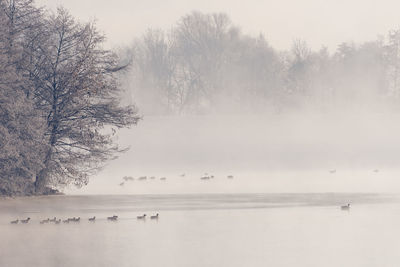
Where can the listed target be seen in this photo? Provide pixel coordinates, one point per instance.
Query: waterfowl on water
(92, 219)
(112, 218)
(74, 219)
(25, 221)
(14, 222)
(141, 217)
(154, 216)
(347, 207)
(128, 178)
(45, 221)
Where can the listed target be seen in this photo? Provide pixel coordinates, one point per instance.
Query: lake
(203, 230)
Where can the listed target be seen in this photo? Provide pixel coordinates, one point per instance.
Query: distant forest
(205, 64)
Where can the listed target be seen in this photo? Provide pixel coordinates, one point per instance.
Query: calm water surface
(204, 230)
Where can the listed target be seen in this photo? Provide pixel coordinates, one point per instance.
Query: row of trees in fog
(205, 64)
(59, 104)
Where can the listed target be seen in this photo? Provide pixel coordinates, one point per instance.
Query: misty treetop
(206, 64)
(59, 96)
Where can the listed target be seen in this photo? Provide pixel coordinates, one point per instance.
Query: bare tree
(154, 67)
(22, 144)
(75, 87)
(201, 42)
(393, 60)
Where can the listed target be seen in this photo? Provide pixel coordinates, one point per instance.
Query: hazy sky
(320, 22)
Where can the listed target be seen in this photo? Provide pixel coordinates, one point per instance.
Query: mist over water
(265, 153)
(219, 101)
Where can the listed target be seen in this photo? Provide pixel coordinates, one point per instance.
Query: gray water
(204, 230)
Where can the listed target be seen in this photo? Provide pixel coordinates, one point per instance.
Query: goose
(25, 221)
(346, 207)
(142, 178)
(152, 177)
(58, 221)
(74, 219)
(121, 184)
(205, 178)
(182, 175)
(332, 171)
(45, 221)
(14, 222)
(66, 221)
(154, 216)
(128, 178)
(92, 219)
(163, 178)
(112, 218)
(230, 176)
(53, 220)
(141, 217)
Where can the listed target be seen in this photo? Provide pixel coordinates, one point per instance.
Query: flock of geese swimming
(78, 219)
(111, 218)
(144, 178)
(203, 177)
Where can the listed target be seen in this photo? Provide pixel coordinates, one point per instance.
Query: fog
(281, 153)
(217, 100)
(269, 136)
(320, 23)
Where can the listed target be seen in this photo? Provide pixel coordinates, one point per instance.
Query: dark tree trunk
(40, 183)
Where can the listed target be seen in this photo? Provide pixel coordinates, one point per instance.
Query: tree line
(59, 99)
(205, 64)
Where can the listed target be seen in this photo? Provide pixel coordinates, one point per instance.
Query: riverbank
(47, 192)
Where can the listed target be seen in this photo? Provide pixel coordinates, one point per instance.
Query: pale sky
(319, 22)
